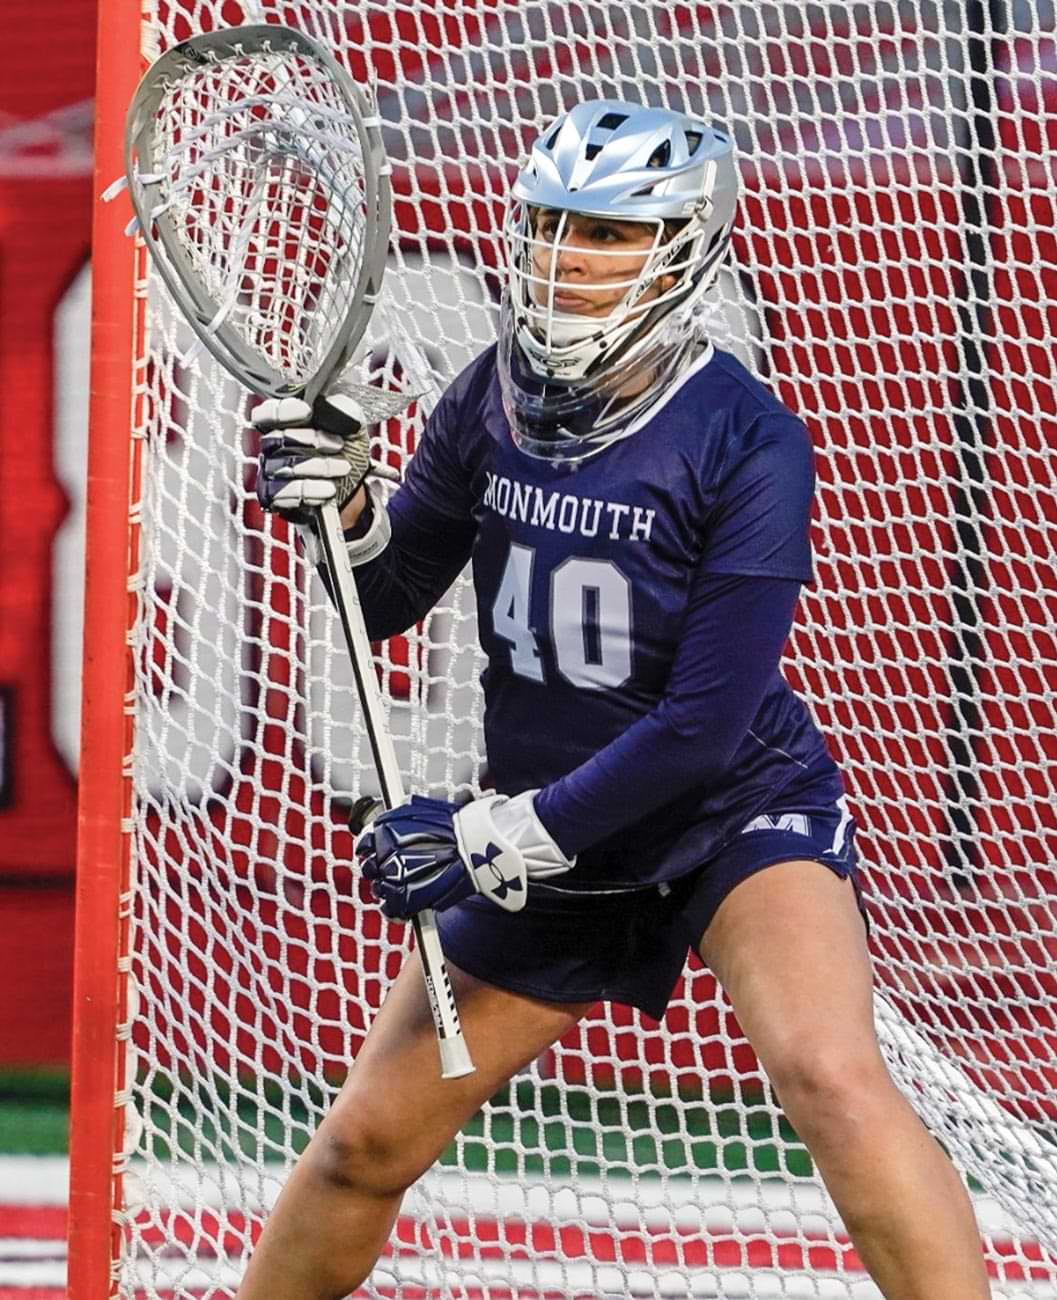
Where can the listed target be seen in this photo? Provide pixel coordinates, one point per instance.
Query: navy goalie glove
(432, 853)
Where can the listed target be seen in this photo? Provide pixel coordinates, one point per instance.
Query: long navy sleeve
(735, 630)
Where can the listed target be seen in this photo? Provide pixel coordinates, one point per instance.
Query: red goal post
(896, 272)
(103, 846)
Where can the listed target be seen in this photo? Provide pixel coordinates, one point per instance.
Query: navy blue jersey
(633, 609)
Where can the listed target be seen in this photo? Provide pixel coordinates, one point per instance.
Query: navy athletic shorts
(632, 947)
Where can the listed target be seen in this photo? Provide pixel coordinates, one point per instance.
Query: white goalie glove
(310, 455)
(504, 845)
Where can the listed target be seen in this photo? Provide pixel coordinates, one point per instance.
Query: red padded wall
(45, 202)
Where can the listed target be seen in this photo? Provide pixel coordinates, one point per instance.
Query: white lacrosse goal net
(895, 265)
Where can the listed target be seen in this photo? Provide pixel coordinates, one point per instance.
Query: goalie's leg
(390, 1122)
(804, 1000)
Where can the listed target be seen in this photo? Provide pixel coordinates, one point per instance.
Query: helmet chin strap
(568, 328)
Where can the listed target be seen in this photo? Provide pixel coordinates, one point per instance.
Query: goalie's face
(588, 266)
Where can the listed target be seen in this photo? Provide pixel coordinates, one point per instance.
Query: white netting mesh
(896, 264)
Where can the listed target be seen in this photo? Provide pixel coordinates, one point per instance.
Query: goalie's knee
(359, 1159)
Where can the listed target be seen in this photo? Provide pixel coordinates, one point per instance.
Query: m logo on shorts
(795, 823)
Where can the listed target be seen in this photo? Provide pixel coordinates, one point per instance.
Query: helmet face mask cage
(551, 336)
(587, 372)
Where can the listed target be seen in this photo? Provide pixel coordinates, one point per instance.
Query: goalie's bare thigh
(804, 995)
(395, 1114)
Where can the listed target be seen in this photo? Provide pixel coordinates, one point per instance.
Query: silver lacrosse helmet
(572, 381)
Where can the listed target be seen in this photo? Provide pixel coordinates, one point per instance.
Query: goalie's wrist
(356, 513)
(370, 535)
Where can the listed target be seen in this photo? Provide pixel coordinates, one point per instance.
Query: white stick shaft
(454, 1056)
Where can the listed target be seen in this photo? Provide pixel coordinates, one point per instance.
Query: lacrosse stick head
(258, 176)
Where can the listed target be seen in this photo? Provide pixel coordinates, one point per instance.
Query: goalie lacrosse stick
(259, 181)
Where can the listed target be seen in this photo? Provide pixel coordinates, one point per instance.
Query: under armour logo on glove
(498, 886)
(505, 846)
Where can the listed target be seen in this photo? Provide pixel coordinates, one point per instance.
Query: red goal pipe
(102, 846)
